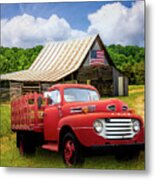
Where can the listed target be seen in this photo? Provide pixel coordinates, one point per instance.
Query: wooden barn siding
(4, 91)
(95, 73)
(104, 78)
(116, 75)
(31, 87)
(15, 89)
(100, 77)
(45, 86)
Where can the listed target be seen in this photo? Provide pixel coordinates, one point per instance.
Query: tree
(16, 59)
(128, 59)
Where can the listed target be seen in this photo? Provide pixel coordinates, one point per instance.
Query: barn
(83, 60)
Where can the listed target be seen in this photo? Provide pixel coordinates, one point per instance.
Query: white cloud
(118, 24)
(115, 23)
(27, 31)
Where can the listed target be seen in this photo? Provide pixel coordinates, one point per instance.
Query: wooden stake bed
(25, 114)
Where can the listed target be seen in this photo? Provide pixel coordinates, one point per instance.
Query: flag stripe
(97, 57)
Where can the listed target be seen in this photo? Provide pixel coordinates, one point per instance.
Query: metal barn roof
(55, 61)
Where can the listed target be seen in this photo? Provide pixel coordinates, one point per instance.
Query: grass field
(11, 157)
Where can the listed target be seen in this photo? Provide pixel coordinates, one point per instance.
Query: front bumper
(138, 146)
(114, 149)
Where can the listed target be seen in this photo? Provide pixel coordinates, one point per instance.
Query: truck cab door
(52, 116)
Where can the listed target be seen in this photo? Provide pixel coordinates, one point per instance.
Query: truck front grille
(118, 129)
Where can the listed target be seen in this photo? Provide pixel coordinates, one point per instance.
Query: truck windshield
(80, 95)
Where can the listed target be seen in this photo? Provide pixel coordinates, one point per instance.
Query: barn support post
(72, 77)
(115, 82)
(126, 86)
(39, 84)
(10, 90)
(88, 82)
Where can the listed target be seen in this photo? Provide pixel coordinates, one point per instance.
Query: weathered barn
(69, 62)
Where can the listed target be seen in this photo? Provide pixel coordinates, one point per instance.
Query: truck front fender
(78, 120)
(81, 125)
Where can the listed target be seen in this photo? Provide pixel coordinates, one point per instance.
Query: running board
(50, 147)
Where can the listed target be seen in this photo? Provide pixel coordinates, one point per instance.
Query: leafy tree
(128, 59)
(16, 59)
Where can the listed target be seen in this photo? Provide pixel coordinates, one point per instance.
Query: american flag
(97, 57)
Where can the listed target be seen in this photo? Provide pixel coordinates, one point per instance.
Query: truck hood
(109, 105)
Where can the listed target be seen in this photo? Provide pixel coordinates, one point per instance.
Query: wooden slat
(24, 114)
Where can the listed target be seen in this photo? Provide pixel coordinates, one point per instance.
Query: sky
(29, 24)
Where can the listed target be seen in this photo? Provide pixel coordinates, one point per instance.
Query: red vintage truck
(71, 118)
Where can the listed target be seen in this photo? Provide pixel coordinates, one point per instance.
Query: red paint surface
(82, 125)
(27, 117)
(51, 119)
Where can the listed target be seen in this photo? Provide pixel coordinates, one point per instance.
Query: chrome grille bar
(119, 133)
(118, 129)
(120, 137)
(118, 124)
(120, 120)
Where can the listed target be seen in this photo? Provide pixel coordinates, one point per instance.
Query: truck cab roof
(63, 86)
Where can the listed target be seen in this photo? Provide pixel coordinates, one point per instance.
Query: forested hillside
(129, 59)
(16, 59)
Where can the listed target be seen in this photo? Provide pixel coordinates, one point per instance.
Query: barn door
(120, 86)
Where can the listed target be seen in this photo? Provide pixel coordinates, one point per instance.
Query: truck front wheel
(71, 150)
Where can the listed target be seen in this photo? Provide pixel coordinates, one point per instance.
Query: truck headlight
(98, 126)
(136, 125)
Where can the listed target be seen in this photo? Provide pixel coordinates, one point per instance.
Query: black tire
(72, 152)
(17, 139)
(26, 144)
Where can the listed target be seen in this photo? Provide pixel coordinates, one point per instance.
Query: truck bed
(25, 114)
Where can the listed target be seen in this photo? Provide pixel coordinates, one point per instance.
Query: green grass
(5, 123)
(133, 87)
(135, 101)
(44, 159)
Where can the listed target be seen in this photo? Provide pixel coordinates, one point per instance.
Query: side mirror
(39, 102)
(49, 101)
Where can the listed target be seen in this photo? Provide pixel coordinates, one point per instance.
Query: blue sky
(28, 24)
(75, 13)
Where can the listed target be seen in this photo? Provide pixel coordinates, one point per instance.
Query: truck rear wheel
(71, 150)
(26, 144)
(21, 146)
